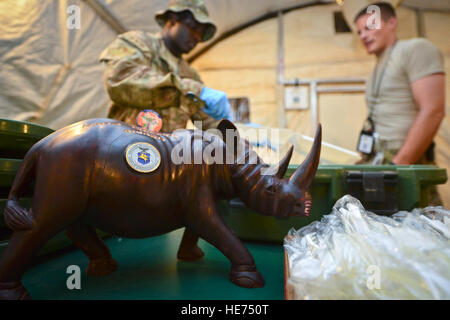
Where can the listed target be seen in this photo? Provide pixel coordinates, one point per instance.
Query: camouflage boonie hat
(198, 10)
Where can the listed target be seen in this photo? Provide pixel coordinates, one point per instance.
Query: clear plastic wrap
(355, 254)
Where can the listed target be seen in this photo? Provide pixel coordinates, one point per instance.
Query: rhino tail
(16, 217)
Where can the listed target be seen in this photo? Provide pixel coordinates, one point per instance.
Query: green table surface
(149, 269)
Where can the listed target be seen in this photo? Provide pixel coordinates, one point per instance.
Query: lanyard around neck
(377, 80)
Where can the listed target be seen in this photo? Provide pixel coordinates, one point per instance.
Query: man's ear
(392, 23)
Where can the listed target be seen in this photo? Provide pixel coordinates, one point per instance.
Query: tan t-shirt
(393, 108)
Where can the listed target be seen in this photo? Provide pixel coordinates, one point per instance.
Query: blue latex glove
(217, 104)
(253, 125)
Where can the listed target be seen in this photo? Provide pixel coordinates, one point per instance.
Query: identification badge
(366, 142)
(142, 157)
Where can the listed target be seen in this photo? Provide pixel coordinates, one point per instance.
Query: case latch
(377, 190)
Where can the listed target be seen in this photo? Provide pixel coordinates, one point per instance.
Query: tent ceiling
(233, 14)
(428, 4)
(230, 14)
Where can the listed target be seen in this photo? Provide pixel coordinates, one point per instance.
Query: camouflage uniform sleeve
(133, 80)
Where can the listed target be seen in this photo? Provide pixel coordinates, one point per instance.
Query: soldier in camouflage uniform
(146, 71)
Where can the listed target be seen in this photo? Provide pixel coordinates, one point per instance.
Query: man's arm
(429, 94)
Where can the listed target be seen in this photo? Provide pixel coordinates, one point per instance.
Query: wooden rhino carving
(87, 176)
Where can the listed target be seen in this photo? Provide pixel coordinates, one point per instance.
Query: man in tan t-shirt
(405, 92)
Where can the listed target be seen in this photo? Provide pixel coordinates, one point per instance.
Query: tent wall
(47, 70)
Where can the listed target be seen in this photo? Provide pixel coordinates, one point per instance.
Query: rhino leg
(189, 250)
(57, 204)
(22, 246)
(86, 238)
(205, 220)
(13, 291)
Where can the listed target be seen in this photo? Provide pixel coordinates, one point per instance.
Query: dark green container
(8, 170)
(58, 242)
(381, 189)
(17, 137)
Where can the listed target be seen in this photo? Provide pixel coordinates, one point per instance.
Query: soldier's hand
(217, 104)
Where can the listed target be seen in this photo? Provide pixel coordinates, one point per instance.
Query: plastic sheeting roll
(354, 254)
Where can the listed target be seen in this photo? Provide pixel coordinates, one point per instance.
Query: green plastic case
(405, 188)
(17, 137)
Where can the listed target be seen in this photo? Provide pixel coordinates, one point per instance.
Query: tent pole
(280, 72)
(107, 15)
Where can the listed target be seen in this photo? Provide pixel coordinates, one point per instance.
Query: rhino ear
(225, 125)
(231, 137)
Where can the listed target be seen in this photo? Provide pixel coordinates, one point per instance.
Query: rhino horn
(282, 166)
(304, 174)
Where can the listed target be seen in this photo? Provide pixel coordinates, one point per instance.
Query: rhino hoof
(101, 267)
(247, 277)
(191, 254)
(13, 291)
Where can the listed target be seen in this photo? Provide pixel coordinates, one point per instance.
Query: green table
(148, 269)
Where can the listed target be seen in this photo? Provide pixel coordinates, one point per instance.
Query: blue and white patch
(142, 157)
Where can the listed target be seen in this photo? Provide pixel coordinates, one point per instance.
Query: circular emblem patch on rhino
(142, 157)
